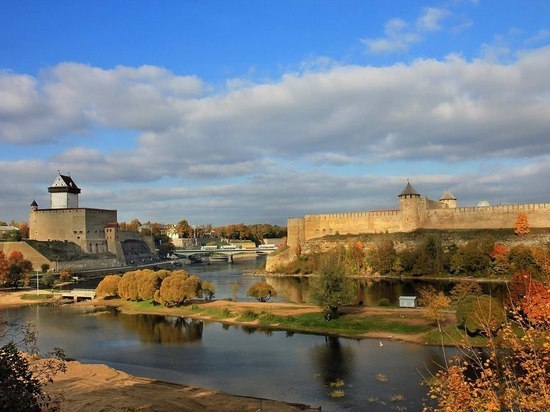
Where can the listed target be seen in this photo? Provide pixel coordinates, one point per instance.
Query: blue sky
(252, 111)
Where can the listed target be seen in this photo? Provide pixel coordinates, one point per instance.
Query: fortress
(88, 233)
(415, 212)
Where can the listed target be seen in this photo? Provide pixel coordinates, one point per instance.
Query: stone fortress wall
(415, 212)
(83, 226)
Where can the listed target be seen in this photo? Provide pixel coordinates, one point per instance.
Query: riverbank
(90, 388)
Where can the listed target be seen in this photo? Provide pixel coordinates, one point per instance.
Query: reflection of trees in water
(333, 360)
(161, 329)
(250, 330)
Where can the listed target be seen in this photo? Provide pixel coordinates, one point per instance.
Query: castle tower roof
(447, 196)
(409, 190)
(64, 184)
(34, 204)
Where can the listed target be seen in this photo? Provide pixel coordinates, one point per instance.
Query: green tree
(480, 313)
(332, 288)
(22, 384)
(262, 291)
(48, 279)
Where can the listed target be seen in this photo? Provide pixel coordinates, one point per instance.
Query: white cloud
(400, 35)
(437, 111)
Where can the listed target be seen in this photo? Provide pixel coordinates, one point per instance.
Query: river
(377, 375)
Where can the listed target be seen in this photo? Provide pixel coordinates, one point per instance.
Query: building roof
(447, 196)
(34, 204)
(8, 228)
(64, 184)
(409, 190)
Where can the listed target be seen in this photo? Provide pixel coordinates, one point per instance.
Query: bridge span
(227, 253)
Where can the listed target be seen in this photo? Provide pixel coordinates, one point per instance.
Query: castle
(415, 212)
(94, 231)
(91, 229)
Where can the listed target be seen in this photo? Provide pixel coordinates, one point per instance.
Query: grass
(34, 296)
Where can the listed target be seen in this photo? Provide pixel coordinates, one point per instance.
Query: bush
(108, 287)
(384, 302)
(262, 291)
(127, 287)
(480, 313)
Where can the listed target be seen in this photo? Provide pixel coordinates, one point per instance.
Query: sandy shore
(99, 388)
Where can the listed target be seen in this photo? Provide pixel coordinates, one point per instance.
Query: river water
(378, 375)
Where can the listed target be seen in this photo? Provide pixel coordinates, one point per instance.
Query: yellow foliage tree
(522, 225)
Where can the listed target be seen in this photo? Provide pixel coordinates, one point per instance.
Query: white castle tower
(63, 193)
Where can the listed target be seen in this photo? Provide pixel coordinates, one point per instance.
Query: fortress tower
(448, 199)
(63, 193)
(410, 205)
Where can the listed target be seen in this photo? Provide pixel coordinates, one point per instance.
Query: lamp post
(37, 285)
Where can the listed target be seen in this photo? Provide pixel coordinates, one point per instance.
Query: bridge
(77, 294)
(224, 253)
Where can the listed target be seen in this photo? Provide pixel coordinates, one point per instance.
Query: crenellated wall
(415, 213)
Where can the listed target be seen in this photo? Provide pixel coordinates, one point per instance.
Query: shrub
(108, 287)
(262, 291)
(384, 302)
(480, 313)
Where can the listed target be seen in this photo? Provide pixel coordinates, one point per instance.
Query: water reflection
(332, 360)
(370, 291)
(161, 329)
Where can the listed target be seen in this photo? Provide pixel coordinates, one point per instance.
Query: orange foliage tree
(514, 373)
(522, 225)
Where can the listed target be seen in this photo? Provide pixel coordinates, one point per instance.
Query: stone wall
(85, 227)
(415, 213)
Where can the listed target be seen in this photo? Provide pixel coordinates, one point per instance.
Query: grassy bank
(390, 323)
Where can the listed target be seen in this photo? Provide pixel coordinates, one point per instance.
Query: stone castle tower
(63, 193)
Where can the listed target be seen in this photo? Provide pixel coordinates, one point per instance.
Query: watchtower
(410, 204)
(63, 193)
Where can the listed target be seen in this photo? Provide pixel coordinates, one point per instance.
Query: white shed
(407, 301)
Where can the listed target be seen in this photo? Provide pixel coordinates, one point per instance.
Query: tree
(17, 268)
(178, 288)
(108, 287)
(480, 314)
(208, 290)
(435, 303)
(262, 291)
(44, 267)
(184, 229)
(513, 374)
(332, 288)
(22, 384)
(127, 286)
(149, 282)
(530, 297)
(521, 225)
(48, 279)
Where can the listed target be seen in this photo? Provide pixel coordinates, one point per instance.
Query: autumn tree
(521, 226)
(435, 302)
(513, 374)
(127, 286)
(332, 287)
(149, 282)
(262, 291)
(382, 256)
(184, 229)
(17, 268)
(108, 287)
(178, 288)
(530, 297)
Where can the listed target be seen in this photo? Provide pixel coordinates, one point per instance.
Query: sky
(251, 111)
